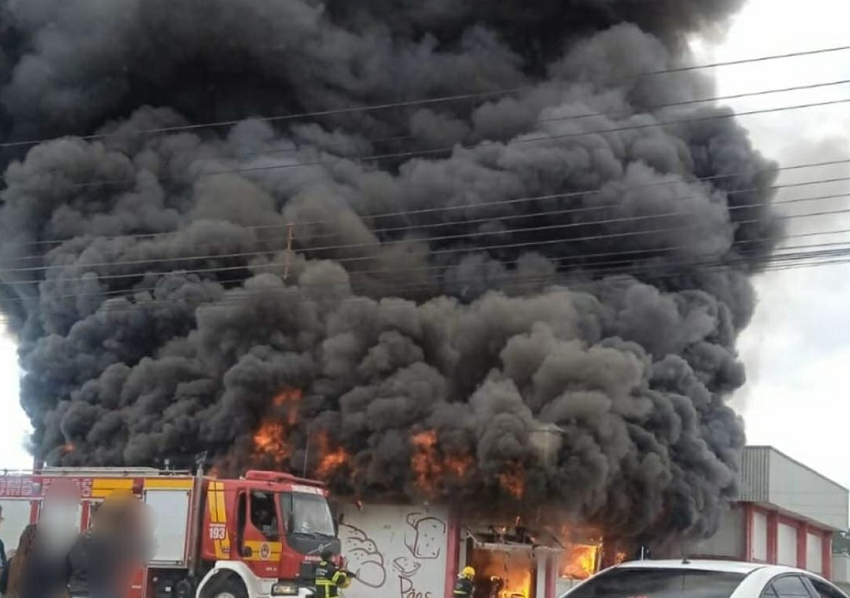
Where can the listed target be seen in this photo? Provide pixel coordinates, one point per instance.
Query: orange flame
(620, 558)
(289, 400)
(510, 575)
(331, 458)
(430, 466)
(579, 561)
(271, 439)
(512, 480)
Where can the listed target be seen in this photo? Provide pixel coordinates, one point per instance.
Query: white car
(703, 579)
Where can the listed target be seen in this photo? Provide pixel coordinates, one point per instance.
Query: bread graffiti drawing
(425, 537)
(406, 566)
(363, 557)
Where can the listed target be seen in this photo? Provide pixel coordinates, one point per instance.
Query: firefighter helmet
(468, 572)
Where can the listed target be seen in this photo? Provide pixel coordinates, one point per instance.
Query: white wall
(798, 489)
(841, 568)
(396, 551)
(759, 536)
(814, 553)
(728, 542)
(786, 545)
(16, 515)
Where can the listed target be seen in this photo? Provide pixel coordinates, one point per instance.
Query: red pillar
(452, 551)
(772, 533)
(748, 531)
(802, 541)
(551, 571)
(826, 542)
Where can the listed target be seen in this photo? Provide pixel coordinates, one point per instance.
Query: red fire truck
(257, 536)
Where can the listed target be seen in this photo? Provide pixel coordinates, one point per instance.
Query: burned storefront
(416, 551)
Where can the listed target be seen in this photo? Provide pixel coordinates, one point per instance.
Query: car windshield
(659, 583)
(307, 514)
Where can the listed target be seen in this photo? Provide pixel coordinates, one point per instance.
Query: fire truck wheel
(226, 587)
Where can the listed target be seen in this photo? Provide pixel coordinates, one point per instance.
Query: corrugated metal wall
(755, 474)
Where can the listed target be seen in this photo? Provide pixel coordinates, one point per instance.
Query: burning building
(487, 254)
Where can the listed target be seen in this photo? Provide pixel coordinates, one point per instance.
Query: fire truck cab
(253, 537)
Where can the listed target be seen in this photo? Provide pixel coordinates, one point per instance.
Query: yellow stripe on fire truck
(168, 484)
(218, 520)
(263, 551)
(103, 487)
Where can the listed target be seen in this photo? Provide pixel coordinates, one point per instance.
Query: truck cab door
(258, 532)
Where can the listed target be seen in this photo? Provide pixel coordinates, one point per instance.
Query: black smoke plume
(435, 323)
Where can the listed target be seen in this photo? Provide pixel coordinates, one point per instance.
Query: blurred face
(58, 522)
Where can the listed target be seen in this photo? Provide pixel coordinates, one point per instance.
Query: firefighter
(330, 578)
(465, 583)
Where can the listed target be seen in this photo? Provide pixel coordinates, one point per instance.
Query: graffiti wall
(396, 552)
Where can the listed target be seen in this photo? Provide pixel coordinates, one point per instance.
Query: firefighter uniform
(464, 584)
(330, 578)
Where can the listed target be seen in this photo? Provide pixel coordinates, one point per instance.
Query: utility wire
(448, 149)
(621, 113)
(465, 235)
(237, 297)
(581, 258)
(601, 267)
(425, 101)
(477, 206)
(643, 253)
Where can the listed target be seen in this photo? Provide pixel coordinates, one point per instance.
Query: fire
(430, 466)
(287, 401)
(620, 558)
(331, 459)
(68, 447)
(512, 480)
(506, 575)
(579, 561)
(271, 438)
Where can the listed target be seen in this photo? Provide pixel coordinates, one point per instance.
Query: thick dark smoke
(148, 294)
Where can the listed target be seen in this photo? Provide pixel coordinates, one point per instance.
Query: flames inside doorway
(503, 574)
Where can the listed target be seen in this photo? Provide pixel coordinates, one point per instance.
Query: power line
(446, 149)
(577, 281)
(424, 101)
(494, 203)
(575, 257)
(587, 268)
(384, 271)
(610, 114)
(540, 228)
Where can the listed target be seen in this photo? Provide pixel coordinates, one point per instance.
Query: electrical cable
(425, 101)
(471, 221)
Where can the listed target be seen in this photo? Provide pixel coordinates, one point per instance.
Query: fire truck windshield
(307, 514)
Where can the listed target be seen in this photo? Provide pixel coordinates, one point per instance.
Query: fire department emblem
(265, 551)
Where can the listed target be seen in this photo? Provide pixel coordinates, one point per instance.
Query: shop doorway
(503, 573)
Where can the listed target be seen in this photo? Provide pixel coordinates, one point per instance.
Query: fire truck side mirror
(246, 551)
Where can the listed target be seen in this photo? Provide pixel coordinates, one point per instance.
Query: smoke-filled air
(524, 292)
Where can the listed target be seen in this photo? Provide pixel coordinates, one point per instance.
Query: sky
(797, 348)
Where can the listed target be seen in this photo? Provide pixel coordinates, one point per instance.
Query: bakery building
(786, 515)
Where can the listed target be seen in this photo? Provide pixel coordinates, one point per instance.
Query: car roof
(699, 565)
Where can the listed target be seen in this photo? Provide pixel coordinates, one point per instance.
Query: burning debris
(397, 300)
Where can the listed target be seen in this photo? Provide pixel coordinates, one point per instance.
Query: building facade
(787, 515)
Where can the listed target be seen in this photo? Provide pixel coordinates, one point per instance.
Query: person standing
(329, 577)
(35, 571)
(465, 583)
